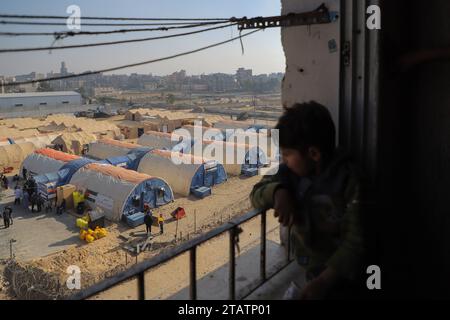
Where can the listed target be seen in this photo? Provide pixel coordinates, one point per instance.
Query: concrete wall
(312, 68)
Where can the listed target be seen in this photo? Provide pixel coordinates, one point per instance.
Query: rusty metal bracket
(319, 16)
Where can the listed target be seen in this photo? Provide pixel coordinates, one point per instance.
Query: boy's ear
(315, 154)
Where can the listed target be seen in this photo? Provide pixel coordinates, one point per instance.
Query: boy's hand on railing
(284, 207)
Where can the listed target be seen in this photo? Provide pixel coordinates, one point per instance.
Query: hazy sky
(263, 50)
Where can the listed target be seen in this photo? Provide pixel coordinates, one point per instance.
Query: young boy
(316, 193)
(161, 223)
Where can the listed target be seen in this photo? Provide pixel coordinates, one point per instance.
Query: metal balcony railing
(138, 270)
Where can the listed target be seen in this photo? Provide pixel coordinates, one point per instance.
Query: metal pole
(141, 286)
(262, 268)
(193, 273)
(232, 271)
(11, 253)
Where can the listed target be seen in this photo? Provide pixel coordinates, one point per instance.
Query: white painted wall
(312, 70)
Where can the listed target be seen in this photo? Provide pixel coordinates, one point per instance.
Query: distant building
(105, 92)
(38, 103)
(63, 69)
(243, 75)
(151, 86)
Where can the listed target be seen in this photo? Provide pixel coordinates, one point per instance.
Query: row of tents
(14, 151)
(117, 191)
(120, 176)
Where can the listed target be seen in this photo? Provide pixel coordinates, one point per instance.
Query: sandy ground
(106, 256)
(171, 280)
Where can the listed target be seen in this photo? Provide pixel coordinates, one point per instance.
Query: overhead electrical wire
(51, 48)
(22, 16)
(64, 34)
(131, 65)
(33, 23)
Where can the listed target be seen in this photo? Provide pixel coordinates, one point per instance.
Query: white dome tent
(45, 160)
(107, 148)
(250, 136)
(234, 157)
(212, 133)
(192, 173)
(163, 141)
(114, 189)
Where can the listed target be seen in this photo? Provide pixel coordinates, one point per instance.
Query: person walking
(7, 216)
(34, 201)
(39, 202)
(9, 212)
(148, 220)
(5, 182)
(18, 195)
(26, 198)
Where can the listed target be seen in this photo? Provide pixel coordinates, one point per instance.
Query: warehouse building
(39, 103)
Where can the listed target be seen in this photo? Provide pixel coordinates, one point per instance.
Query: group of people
(28, 195)
(148, 220)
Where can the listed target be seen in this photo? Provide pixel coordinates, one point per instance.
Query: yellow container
(82, 224)
(83, 234)
(89, 238)
(77, 198)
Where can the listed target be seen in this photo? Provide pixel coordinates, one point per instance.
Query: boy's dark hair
(305, 125)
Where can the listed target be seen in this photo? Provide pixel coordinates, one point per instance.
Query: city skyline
(57, 70)
(262, 51)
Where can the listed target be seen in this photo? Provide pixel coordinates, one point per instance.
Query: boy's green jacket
(330, 233)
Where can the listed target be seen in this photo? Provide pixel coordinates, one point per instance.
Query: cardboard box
(65, 192)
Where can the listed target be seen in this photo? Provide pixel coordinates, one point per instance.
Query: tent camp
(119, 191)
(99, 128)
(73, 142)
(251, 137)
(53, 127)
(211, 133)
(233, 135)
(14, 133)
(24, 123)
(233, 156)
(40, 140)
(12, 155)
(184, 177)
(165, 141)
(106, 148)
(230, 124)
(46, 161)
